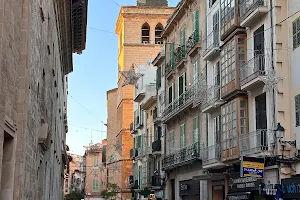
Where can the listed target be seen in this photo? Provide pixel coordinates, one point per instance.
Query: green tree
(111, 192)
(74, 196)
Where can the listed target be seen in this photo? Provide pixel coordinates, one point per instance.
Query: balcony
(156, 182)
(138, 122)
(133, 153)
(155, 117)
(250, 72)
(251, 11)
(132, 128)
(156, 147)
(169, 70)
(193, 43)
(184, 156)
(179, 104)
(160, 57)
(213, 99)
(180, 56)
(150, 96)
(211, 46)
(230, 149)
(256, 143)
(212, 156)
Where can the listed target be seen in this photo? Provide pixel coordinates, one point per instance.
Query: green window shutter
(196, 25)
(182, 136)
(195, 71)
(182, 36)
(196, 130)
(171, 142)
(172, 58)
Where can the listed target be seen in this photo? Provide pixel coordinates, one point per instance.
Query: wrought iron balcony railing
(252, 69)
(182, 157)
(185, 99)
(169, 68)
(180, 54)
(192, 40)
(211, 154)
(212, 95)
(211, 41)
(248, 6)
(256, 142)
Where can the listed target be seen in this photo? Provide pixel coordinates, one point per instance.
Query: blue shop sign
(290, 188)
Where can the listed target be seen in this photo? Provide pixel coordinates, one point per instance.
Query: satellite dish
(149, 61)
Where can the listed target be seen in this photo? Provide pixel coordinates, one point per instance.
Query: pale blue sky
(95, 72)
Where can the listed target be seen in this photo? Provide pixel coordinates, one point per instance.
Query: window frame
(95, 187)
(296, 33)
(171, 142)
(145, 37)
(227, 12)
(196, 131)
(182, 136)
(229, 136)
(297, 110)
(96, 161)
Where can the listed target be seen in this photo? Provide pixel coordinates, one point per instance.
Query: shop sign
(238, 197)
(252, 167)
(290, 187)
(244, 184)
(190, 187)
(218, 185)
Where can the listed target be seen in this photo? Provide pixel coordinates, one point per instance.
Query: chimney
(152, 3)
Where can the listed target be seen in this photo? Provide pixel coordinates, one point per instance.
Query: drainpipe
(273, 90)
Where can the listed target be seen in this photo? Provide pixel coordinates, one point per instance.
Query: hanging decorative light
(270, 80)
(131, 77)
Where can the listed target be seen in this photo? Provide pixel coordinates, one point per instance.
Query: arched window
(158, 31)
(145, 33)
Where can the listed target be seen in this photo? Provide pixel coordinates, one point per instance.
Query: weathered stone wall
(32, 92)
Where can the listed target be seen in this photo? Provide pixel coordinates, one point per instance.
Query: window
(196, 25)
(228, 63)
(297, 108)
(145, 33)
(211, 2)
(171, 93)
(158, 31)
(216, 73)
(158, 77)
(227, 11)
(172, 58)
(296, 33)
(196, 130)
(229, 125)
(217, 129)
(196, 71)
(181, 84)
(171, 142)
(182, 136)
(95, 161)
(216, 28)
(95, 185)
(182, 37)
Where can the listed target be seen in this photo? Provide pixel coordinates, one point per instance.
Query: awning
(238, 196)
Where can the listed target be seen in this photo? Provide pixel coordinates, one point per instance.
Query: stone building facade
(134, 48)
(37, 39)
(95, 170)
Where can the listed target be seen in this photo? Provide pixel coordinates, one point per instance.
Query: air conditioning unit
(145, 42)
(158, 42)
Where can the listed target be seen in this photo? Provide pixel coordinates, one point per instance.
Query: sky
(95, 72)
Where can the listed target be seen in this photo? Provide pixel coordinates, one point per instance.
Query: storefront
(189, 189)
(244, 188)
(218, 189)
(290, 188)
